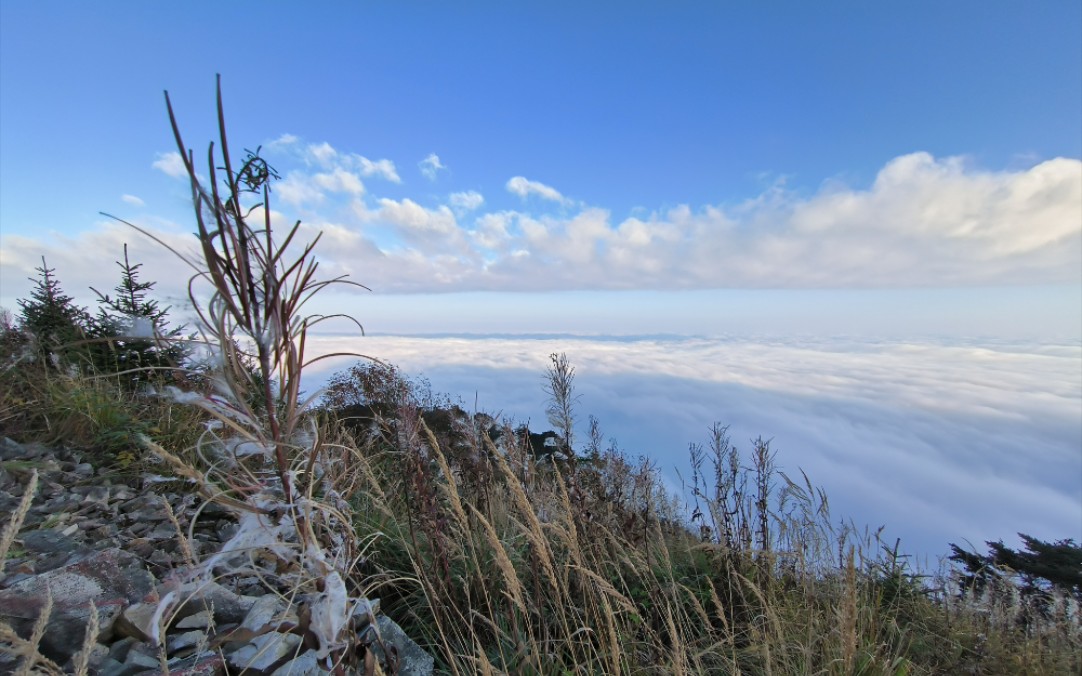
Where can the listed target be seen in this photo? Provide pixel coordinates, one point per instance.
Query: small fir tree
(131, 329)
(51, 317)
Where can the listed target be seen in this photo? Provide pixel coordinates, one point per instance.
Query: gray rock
(111, 579)
(196, 665)
(162, 559)
(228, 607)
(119, 650)
(142, 657)
(111, 667)
(49, 542)
(263, 612)
(13, 450)
(106, 532)
(54, 549)
(137, 621)
(123, 493)
(19, 575)
(201, 620)
(412, 659)
(97, 494)
(8, 502)
(188, 639)
(265, 650)
(304, 664)
(98, 654)
(163, 531)
(64, 502)
(144, 501)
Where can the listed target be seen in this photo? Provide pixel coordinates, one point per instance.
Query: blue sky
(909, 172)
(577, 146)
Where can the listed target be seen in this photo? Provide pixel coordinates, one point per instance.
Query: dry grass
(15, 521)
(534, 567)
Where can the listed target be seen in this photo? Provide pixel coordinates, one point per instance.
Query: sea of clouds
(938, 441)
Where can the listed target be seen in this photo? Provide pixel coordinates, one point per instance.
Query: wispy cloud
(383, 168)
(325, 156)
(334, 172)
(170, 164)
(281, 143)
(431, 166)
(523, 187)
(466, 201)
(133, 200)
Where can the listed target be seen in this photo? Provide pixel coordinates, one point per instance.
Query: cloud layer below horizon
(923, 222)
(941, 442)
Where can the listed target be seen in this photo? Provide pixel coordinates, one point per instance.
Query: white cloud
(170, 164)
(323, 154)
(466, 201)
(339, 180)
(337, 172)
(923, 222)
(434, 231)
(491, 231)
(382, 168)
(300, 189)
(282, 142)
(575, 241)
(329, 159)
(522, 187)
(133, 200)
(408, 214)
(431, 166)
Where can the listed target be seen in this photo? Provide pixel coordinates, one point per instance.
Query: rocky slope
(93, 551)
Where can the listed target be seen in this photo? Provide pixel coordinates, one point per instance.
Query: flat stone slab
(111, 579)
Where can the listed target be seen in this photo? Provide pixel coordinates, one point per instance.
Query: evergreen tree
(131, 329)
(1041, 566)
(57, 325)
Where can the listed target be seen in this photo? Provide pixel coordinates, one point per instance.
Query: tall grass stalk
(253, 322)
